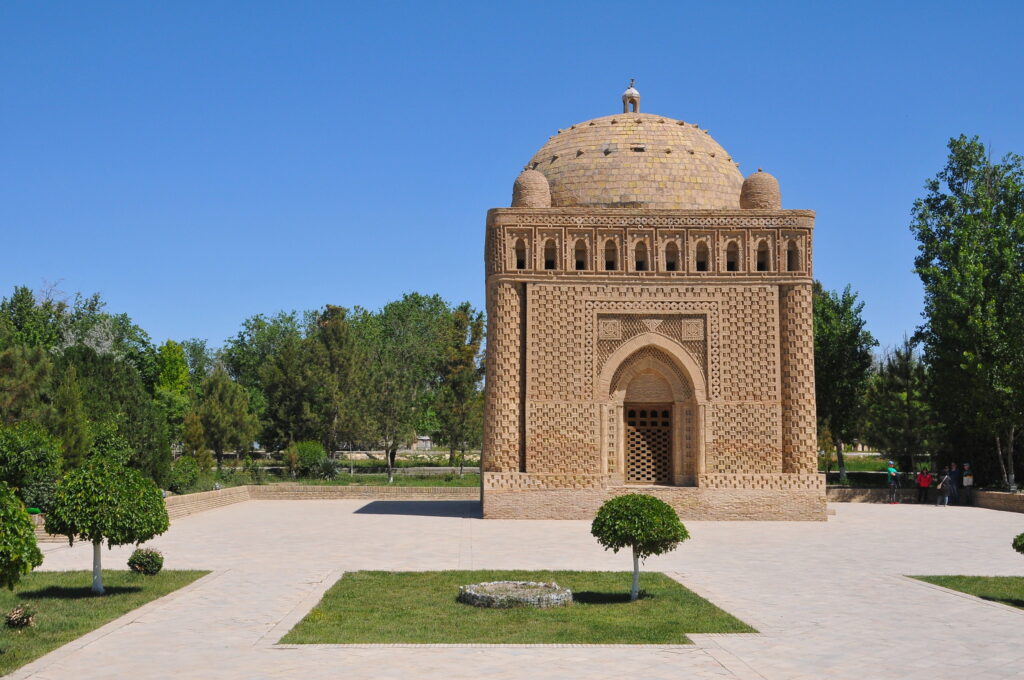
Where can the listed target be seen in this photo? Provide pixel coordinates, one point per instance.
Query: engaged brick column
(502, 399)
(799, 420)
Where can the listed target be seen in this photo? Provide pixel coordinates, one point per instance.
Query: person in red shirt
(924, 482)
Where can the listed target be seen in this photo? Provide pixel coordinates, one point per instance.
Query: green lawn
(345, 479)
(1005, 589)
(67, 609)
(380, 607)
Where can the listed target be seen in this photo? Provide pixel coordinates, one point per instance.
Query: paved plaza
(829, 598)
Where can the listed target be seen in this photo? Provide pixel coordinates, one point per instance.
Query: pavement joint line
(680, 578)
(967, 596)
(299, 611)
(66, 650)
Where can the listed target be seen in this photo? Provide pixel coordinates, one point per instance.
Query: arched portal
(653, 412)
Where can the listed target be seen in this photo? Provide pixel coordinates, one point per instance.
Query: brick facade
(599, 307)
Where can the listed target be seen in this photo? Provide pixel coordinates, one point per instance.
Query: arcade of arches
(649, 329)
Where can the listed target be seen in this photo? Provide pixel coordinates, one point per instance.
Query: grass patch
(345, 479)
(1004, 589)
(379, 607)
(67, 609)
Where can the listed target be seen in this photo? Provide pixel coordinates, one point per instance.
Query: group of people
(953, 485)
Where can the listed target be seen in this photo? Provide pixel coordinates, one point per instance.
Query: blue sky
(200, 162)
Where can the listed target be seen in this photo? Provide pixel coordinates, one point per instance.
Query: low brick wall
(190, 504)
(993, 500)
(291, 492)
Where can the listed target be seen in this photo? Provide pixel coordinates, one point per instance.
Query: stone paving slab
(829, 599)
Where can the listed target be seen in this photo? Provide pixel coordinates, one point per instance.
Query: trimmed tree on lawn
(104, 500)
(647, 525)
(1018, 543)
(19, 553)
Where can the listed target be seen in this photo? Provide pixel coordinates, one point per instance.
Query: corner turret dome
(531, 190)
(760, 192)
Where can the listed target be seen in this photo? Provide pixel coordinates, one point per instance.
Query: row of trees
(955, 391)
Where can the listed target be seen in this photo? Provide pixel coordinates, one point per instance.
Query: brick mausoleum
(649, 329)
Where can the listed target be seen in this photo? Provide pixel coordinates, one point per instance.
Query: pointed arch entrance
(653, 413)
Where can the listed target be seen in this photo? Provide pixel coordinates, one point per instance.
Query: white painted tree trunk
(97, 570)
(634, 593)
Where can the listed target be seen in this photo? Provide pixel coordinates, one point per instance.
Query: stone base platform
(780, 497)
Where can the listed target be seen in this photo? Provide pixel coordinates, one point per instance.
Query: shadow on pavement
(423, 508)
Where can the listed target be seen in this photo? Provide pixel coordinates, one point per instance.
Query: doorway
(648, 443)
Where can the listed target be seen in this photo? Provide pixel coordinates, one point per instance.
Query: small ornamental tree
(1018, 543)
(19, 553)
(104, 500)
(647, 525)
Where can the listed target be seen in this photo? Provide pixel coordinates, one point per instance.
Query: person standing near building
(968, 484)
(924, 482)
(954, 486)
(942, 495)
(892, 476)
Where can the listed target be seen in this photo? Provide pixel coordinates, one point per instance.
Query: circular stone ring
(505, 594)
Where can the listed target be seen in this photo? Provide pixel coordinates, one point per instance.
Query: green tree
(69, 422)
(172, 389)
(28, 455)
(337, 358)
(842, 364)
(293, 388)
(201, 362)
(225, 415)
(31, 322)
(406, 348)
(25, 375)
(899, 418)
(458, 402)
(645, 524)
(970, 233)
(19, 553)
(106, 501)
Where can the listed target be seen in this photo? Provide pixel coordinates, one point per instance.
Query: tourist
(954, 486)
(924, 482)
(892, 476)
(942, 495)
(967, 483)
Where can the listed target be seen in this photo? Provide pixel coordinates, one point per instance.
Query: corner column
(502, 407)
(796, 347)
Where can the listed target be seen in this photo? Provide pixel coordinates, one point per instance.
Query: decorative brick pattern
(501, 408)
(799, 419)
(744, 438)
(648, 444)
(560, 437)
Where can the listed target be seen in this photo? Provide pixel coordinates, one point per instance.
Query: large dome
(638, 160)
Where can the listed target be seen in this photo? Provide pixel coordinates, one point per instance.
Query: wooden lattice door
(648, 444)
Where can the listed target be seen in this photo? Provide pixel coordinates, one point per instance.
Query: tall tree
(172, 387)
(900, 421)
(25, 374)
(339, 360)
(405, 340)
(70, 423)
(458, 404)
(970, 233)
(225, 413)
(842, 363)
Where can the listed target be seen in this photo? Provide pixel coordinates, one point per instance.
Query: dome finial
(631, 97)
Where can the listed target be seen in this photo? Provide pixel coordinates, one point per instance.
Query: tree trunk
(462, 462)
(634, 592)
(451, 456)
(390, 455)
(97, 570)
(1002, 464)
(840, 461)
(1010, 477)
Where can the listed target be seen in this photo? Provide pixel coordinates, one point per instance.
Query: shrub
(326, 469)
(19, 553)
(647, 525)
(310, 454)
(21, 616)
(290, 458)
(253, 470)
(146, 561)
(1018, 543)
(39, 494)
(184, 474)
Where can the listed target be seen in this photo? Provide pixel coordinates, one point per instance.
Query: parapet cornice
(634, 217)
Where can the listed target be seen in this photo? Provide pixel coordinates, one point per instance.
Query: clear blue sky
(200, 162)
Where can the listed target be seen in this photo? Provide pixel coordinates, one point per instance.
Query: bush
(310, 455)
(326, 469)
(21, 616)
(19, 553)
(253, 470)
(39, 494)
(1018, 543)
(647, 525)
(290, 458)
(184, 474)
(146, 561)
